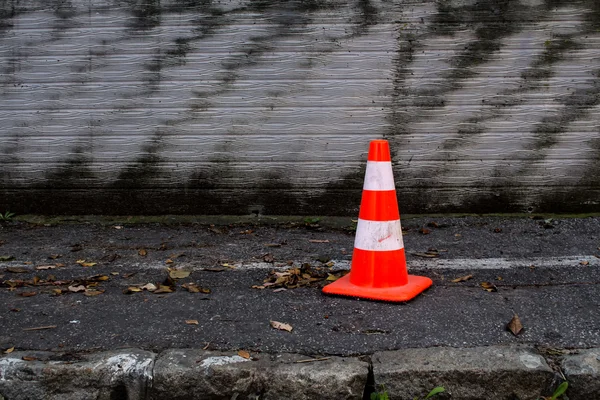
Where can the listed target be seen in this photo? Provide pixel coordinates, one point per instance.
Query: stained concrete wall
(267, 106)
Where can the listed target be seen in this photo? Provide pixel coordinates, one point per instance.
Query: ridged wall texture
(267, 107)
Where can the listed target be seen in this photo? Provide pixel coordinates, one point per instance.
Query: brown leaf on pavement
(142, 252)
(281, 326)
(268, 258)
(584, 263)
(28, 358)
(426, 255)
(433, 224)
(75, 289)
(45, 267)
(27, 294)
(93, 292)
(191, 321)
(85, 263)
(178, 273)
(424, 231)
(194, 288)
(132, 289)
(54, 256)
(213, 269)
(151, 287)
(8, 351)
(318, 241)
(462, 279)
(164, 289)
(515, 325)
(17, 270)
(244, 354)
(490, 287)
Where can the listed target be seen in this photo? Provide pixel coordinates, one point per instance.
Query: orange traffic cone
(378, 269)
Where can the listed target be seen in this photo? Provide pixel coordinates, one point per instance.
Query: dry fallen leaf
(85, 263)
(17, 270)
(515, 325)
(427, 255)
(178, 273)
(584, 263)
(142, 252)
(163, 289)
(281, 326)
(132, 289)
(45, 267)
(462, 279)
(28, 358)
(424, 231)
(149, 287)
(191, 321)
(244, 354)
(93, 292)
(169, 261)
(54, 256)
(268, 258)
(75, 289)
(27, 294)
(318, 241)
(490, 287)
(8, 351)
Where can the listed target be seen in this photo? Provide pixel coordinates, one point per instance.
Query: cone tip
(379, 150)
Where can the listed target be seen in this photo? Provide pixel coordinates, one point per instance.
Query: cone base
(415, 286)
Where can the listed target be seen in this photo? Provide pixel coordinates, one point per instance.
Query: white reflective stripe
(378, 235)
(379, 176)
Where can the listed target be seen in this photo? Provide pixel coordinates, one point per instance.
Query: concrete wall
(267, 106)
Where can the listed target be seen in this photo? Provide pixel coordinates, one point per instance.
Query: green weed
(7, 216)
(560, 391)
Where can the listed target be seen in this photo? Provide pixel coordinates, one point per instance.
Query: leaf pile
(297, 277)
(169, 285)
(87, 286)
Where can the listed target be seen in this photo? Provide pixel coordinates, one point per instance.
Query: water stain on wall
(146, 14)
(74, 172)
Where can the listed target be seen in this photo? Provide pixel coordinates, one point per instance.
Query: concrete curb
(495, 372)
